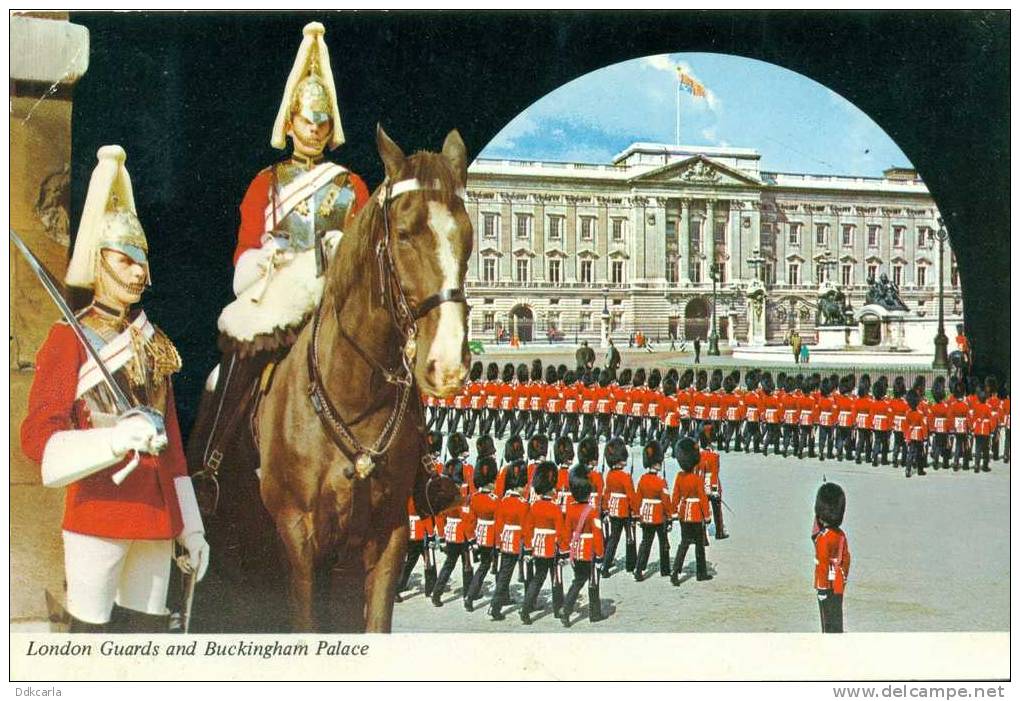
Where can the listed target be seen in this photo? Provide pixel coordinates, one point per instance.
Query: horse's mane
(355, 260)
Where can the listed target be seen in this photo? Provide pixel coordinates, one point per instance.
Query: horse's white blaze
(446, 346)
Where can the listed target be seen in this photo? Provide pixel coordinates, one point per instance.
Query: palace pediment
(697, 170)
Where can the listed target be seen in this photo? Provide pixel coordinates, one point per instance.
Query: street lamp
(715, 270)
(605, 317)
(941, 361)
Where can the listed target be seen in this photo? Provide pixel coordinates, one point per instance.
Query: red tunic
(145, 505)
(958, 415)
(483, 510)
(915, 427)
(708, 468)
(654, 505)
(510, 515)
(938, 418)
(832, 560)
(419, 526)
(619, 496)
(898, 408)
(545, 531)
(456, 524)
(586, 538)
(689, 498)
(981, 421)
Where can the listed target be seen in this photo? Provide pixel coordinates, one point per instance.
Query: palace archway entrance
(522, 322)
(696, 319)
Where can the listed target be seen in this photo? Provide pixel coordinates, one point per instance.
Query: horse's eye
(403, 234)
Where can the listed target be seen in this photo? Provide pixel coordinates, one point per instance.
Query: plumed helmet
(653, 454)
(830, 505)
(522, 373)
(538, 446)
(563, 451)
(310, 90)
(639, 377)
(654, 379)
(550, 375)
(544, 479)
(435, 442)
(454, 469)
(485, 446)
(687, 453)
(516, 475)
(616, 452)
(625, 376)
(588, 450)
(485, 471)
(580, 485)
(508, 373)
(536, 370)
(514, 449)
(456, 444)
(492, 372)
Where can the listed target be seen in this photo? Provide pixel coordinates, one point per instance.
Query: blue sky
(797, 125)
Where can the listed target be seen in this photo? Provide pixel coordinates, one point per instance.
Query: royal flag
(689, 84)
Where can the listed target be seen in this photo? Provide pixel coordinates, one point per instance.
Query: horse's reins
(406, 322)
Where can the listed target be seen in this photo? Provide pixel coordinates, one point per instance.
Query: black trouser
(915, 457)
(438, 419)
(617, 526)
(830, 607)
(584, 573)
(485, 556)
(542, 565)
(899, 448)
(790, 435)
(844, 443)
(485, 424)
(416, 549)
(553, 425)
(961, 449)
(717, 514)
(454, 552)
(571, 428)
(981, 445)
(471, 420)
(880, 448)
(691, 533)
(940, 450)
(648, 533)
(752, 436)
(729, 429)
(807, 440)
(455, 416)
(771, 438)
(504, 417)
(588, 426)
(825, 438)
(1005, 447)
(619, 425)
(605, 424)
(863, 443)
(501, 595)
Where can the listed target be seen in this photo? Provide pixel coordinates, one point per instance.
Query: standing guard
(862, 417)
(958, 414)
(881, 423)
(898, 408)
(845, 420)
(128, 493)
(655, 511)
(826, 408)
(832, 555)
(691, 505)
(915, 432)
(939, 424)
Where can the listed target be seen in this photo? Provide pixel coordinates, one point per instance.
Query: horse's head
(430, 239)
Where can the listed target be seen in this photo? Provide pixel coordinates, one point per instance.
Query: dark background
(192, 98)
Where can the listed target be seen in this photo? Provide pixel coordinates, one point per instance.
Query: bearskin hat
(653, 454)
(522, 373)
(672, 372)
(569, 377)
(687, 453)
(536, 370)
(563, 451)
(972, 385)
(715, 383)
(454, 469)
(476, 371)
(669, 387)
(580, 485)
(639, 377)
(485, 446)
(485, 471)
(913, 399)
(654, 379)
(991, 385)
(959, 389)
(625, 376)
(701, 380)
(830, 505)
(544, 479)
(514, 449)
(550, 375)
(766, 384)
(435, 442)
(826, 386)
(604, 378)
(561, 371)
(616, 452)
(492, 372)
(878, 390)
(729, 384)
(588, 450)
(938, 391)
(538, 446)
(508, 373)
(456, 444)
(919, 385)
(516, 475)
(899, 387)
(751, 381)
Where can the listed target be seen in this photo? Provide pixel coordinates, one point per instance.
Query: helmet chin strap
(112, 282)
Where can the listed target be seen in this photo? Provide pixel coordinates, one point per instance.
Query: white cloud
(660, 62)
(708, 134)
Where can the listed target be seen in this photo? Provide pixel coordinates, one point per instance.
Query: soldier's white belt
(114, 354)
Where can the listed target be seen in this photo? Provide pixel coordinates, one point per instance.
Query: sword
(189, 592)
(124, 406)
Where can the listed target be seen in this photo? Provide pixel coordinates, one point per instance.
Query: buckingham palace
(558, 244)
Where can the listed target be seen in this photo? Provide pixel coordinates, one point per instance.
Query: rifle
(557, 585)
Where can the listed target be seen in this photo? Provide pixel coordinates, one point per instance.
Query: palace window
(554, 271)
(897, 236)
(719, 232)
(922, 275)
(848, 235)
(795, 228)
(694, 236)
(617, 272)
(671, 271)
(586, 271)
(618, 229)
(770, 273)
(523, 226)
(584, 322)
(489, 321)
(819, 274)
(847, 275)
(490, 225)
(872, 272)
(793, 273)
(924, 236)
(555, 227)
(897, 275)
(488, 270)
(821, 234)
(695, 270)
(587, 228)
(523, 269)
(873, 231)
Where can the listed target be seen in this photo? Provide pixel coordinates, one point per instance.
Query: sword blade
(51, 286)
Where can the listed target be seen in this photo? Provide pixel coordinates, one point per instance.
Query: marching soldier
(915, 432)
(939, 424)
(510, 516)
(421, 534)
(881, 422)
(505, 400)
(457, 447)
(619, 400)
(620, 501)
(587, 459)
(587, 546)
(546, 541)
(128, 493)
(467, 410)
(862, 416)
(563, 454)
(483, 512)
(538, 450)
(708, 469)
(898, 408)
(572, 391)
(603, 402)
(789, 402)
(958, 415)
(753, 412)
(832, 555)
(456, 528)
(771, 410)
(982, 424)
(845, 419)
(826, 408)
(513, 450)
(691, 505)
(655, 511)
(807, 407)
(491, 396)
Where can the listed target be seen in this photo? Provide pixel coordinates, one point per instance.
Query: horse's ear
(456, 153)
(392, 156)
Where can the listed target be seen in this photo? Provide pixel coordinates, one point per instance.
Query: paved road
(929, 554)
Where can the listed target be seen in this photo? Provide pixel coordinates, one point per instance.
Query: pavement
(929, 554)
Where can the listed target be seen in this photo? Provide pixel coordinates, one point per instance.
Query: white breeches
(100, 571)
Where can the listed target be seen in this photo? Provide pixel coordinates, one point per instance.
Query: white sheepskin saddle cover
(293, 292)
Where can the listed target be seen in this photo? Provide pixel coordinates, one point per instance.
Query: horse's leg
(380, 582)
(296, 529)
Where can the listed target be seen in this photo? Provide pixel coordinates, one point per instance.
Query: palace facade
(557, 244)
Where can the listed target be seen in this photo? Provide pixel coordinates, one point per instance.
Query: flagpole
(677, 142)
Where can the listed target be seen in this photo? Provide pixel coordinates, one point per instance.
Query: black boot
(77, 625)
(594, 604)
(124, 620)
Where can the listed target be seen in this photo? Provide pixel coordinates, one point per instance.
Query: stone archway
(697, 319)
(522, 320)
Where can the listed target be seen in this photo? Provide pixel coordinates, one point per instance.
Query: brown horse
(340, 430)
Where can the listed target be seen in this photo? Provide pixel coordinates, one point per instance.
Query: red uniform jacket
(145, 505)
(708, 468)
(595, 498)
(510, 516)
(456, 524)
(982, 423)
(545, 531)
(807, 405)
(881, 414)
(862, 411)
(753, 406)
(832, 560)
(771, 409)
(689, 498)
(618, 495)
(826, 408)
(654, 504)
(898, 408)
(419, 526)
(586, 537)
(915, 427)
(845, 406)
(958, 415)
(791, 407)
(483, 510)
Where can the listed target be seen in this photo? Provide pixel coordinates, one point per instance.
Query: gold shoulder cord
(154, 359)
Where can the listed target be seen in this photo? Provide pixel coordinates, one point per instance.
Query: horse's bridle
(404, 319)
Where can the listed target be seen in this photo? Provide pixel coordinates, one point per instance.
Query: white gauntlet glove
(73, 455)
(192, 537)
(136, 433)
